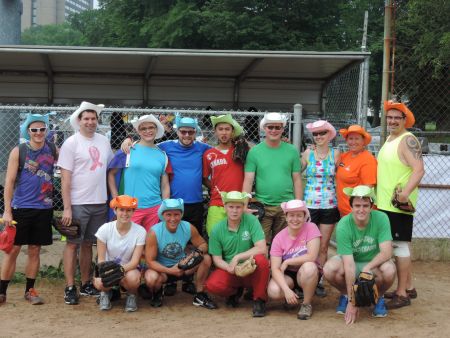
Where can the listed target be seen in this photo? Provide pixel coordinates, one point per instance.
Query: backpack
(23, 154)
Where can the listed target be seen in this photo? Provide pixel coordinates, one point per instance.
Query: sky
(95, 3)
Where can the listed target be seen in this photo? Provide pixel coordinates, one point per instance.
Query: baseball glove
(110, 272)
(245, 268)
(404, 206)
(257, 206)
(71, 231)
(365, 291)
(241, 149)
(191, 261)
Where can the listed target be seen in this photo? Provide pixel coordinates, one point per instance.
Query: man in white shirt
(83, 161)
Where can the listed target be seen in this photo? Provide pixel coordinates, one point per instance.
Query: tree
(53, 35)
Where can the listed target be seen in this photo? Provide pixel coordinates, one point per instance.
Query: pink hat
(322, 125)
(295, 205)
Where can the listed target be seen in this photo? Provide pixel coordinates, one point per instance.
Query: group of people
(156, 193)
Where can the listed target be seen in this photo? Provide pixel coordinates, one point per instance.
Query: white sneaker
(104, 301)
(130, 304)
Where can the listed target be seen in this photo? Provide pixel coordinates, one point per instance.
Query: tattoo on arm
(414, 147)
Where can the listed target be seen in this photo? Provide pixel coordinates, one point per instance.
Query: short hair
(89, 111)
(365, 198)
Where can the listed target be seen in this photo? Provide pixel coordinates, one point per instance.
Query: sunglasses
(187, 132)
(320, 133)
(274, 127)
(35, 130)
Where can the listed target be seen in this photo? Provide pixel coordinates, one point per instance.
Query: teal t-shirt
(363, 244)
(227, 244)
(273, 168)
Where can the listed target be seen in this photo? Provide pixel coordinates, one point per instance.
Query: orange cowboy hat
(124, 202)
(410, 120)
(356, 129)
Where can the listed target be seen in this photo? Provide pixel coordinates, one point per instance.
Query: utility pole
(10, 13)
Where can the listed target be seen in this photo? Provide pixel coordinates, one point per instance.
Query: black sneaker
(248, 295)
(71, 295)
(189, 287)
(233, 300)
(202, 299)
(157, 298)
(144, 292)
(170, 289)
(88, 289)
(259, 308)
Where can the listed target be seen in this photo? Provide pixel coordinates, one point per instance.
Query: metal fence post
(297, 126)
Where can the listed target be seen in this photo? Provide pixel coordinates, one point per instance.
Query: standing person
(364, 244)
(28, 197)
(142, 172)
(83, 160)
(293, 258)
(121, 241)
(356, 167)
(400, 164)
(319, 165)
(233, 240)
(220, 171)
(275, 168)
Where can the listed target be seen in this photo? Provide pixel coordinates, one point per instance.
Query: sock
(30, 284)
(3, 286)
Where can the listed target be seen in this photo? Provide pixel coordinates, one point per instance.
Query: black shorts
(324, 216)
(173, 279)
(34, 226)
(193, 213)
(293, 275)
(401, 225)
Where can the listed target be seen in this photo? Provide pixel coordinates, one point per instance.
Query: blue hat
(171, 204)
(186, 122)
(29, 120)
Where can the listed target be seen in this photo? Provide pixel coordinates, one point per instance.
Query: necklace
(319, 156)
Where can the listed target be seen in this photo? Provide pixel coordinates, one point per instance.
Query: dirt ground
(426, 317)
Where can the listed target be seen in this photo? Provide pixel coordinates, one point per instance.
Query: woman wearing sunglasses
(319, 165)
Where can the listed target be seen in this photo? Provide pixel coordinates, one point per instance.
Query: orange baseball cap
(410, 119)
(124, 202)
(356, 129)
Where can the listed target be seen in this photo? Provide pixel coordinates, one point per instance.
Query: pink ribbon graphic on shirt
(95, 156)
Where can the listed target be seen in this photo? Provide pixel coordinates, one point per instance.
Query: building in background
(47, 12)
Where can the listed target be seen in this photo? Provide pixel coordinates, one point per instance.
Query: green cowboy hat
(360, 191)
(238, 130)
(234, 196)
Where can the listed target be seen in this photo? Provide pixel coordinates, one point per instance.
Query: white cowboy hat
(74, 121)
(152, 119)
(272, 118)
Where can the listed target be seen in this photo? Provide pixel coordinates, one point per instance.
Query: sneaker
(157, 298)
(412, 294)
(299, 292)
(130, 304)
(88, 289)
(320, 290)
(144, 292)
(105, 301)
(170, 289)
(202, 299)
(33, 297)
(398, 302)
(2, 299)
(189, 287)
(379, 310)
(259, 308)
(248, 295)
(305, 312)
(342, 306)
(233, 300)
(71, 295)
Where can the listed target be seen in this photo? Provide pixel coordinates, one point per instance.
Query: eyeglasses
(274, 127)
(147, 129)
(35, 130)
(187, 132)
(395, 118)
(320, 133)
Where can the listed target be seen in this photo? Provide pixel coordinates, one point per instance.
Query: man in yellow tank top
(400, 164)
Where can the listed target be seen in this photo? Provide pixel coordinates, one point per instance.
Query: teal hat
(234, 196)
(171, 204)
(185, 122)
(360, 191)
(29, 120)
(227, 119)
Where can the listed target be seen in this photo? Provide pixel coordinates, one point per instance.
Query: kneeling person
(121, 241)
(364, 244)
(293, 258)
(165, 248)
(233, 240)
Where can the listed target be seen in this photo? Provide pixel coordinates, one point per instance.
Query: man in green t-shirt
(364, 244)
(233, 240)
(274, 167)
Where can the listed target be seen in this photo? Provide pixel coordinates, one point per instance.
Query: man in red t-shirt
(220, 171)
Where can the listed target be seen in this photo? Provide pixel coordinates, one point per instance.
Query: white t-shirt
(87, 159)
(120, 248)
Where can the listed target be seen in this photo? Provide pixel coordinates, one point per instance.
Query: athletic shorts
(194, 214)
(358, 265)
(324, 216)
(34, 226)
(401, 225)
(215, 215)
(91, 217)
(147, 217)
(293, 275)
